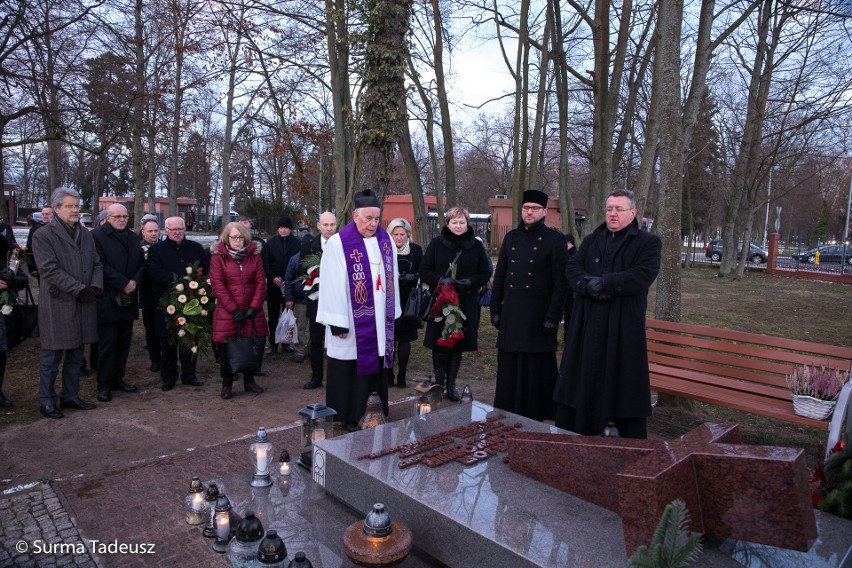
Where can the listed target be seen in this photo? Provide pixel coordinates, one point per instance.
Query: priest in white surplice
(358, 302)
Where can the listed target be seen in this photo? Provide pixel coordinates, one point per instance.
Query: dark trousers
(169, 372)
(149, 320)
(274, 303)
(114, 340)
(49, 368)
(317, 343)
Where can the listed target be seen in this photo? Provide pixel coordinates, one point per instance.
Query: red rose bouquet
(446, 307)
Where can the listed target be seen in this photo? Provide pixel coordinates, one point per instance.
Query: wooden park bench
(745, 371)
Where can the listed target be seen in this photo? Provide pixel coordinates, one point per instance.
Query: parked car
(86, 219)
(827, 253)
(34, 218)
(757, 255)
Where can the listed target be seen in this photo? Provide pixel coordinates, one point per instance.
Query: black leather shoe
(51, 412)
(104, 396)
(155, 367)
(168, 385)
(351, 426)
(314, 383)
(77, 404)
(196, 382)
(289, 348)
(226, 393)
(124, 387)
(271, 350)
(253, 387)
(4, 402)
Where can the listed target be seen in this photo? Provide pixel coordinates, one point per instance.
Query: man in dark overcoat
(527, 301)
(71, 279)
(604, 372)
(148, 300)
(280, 248)
(327, 226)
(167, 259)
(46, 216)
(121, 257)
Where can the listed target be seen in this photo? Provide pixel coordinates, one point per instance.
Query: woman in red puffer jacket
(239, 283)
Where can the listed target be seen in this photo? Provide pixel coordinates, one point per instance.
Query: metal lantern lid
(317, 410)
(223, 504)
(212, 493)
(467, 394)
(271, 549)
(261, 436)
(285, 457)
(195, 486)
(378, 522)
(250, 528)
(300, 561)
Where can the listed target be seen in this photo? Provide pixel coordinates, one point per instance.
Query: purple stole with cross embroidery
(360, 280)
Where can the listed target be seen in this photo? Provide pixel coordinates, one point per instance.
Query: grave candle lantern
(243, 548)
(284, 463)
(434, 394)
(377, 541)
(422, 406)
(272, 553)
(261, 456)
(223, 524)
(467, 395)
(210, 497)
(317, 425)
(195, 503)
(374, 415)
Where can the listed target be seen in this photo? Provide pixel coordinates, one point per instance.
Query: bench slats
(745, 371)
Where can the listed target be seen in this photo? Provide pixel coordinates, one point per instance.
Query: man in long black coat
(327, 226)
(527, 301)
(166, 259)
(280, 248)
(604, 371)
(121, 257)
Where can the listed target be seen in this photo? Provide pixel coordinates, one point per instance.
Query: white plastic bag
(286, 330)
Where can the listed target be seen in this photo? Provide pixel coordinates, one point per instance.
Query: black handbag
(418, 304)
(27, 316)
(245, 353)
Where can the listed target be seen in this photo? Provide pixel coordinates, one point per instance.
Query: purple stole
(361, 296)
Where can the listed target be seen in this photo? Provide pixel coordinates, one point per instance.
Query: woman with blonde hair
(454, 258)
(239, 283)
(408, 259)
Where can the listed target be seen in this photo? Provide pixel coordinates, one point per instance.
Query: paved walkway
(86, 520)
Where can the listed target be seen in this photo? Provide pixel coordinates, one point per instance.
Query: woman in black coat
(456, 243)
(408, 257)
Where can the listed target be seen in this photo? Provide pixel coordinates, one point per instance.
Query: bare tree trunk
(429, 125)
(412, 174)
(337, 38)
(444, 107)
(137, 114)
(520, 128)
(541, 111)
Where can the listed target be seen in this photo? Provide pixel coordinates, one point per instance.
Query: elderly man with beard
(358, 302)
(71, 281)
(122, 260)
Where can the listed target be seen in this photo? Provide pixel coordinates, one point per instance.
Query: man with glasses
(604, 373)
(123, 267)
(527, 301)
(71, 280)
(167, 259)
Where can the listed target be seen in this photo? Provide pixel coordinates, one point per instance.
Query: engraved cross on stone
(754, 493)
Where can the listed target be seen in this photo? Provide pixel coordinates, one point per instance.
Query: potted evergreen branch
(815, 390)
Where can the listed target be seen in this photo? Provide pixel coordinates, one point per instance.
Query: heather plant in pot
(815, 390)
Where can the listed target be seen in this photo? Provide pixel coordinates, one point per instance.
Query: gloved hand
(495, 320)
(604, 298)
(462, 284)
(446, 280)
(238, 315)
(96, 291)
(594, 287)
(407, 279)
(250, 313)
(87, 296)
(550, 328)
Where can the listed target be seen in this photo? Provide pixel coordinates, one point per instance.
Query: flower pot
(811, 407)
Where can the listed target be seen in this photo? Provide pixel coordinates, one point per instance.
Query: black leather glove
(604, 298)
(550, 328)
(96, 291)
(407, 279)
(250, 313)
(446, 280)
(463, 284)
(86, 295)
(238, 315)
(595, 286)
(495, 320)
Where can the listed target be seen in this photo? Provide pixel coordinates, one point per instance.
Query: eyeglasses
(176, 229)
(75, 206)
(236, 237)
(120, 216)
(618, 209)
(532, 208)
